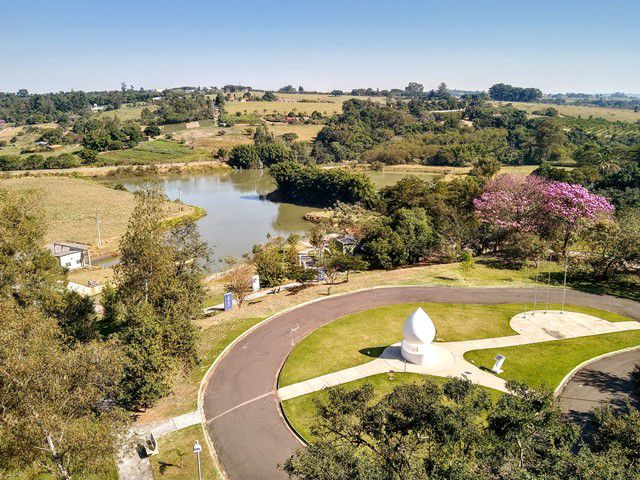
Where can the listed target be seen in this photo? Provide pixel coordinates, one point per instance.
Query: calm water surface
(236, 217)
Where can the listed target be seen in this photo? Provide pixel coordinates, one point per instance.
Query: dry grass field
(71, 205)
(295, 102)
(208, 137)
(611, 114)
(127, 111)
(27, 140)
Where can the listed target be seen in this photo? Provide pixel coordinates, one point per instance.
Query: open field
(71, 205)
(364, 335)
(612, 114)
(298, 103)
(214, 138)
(155, 151)
(124, 170)
(301, 411)
(126, 112)
(26, 140)
(546, 364)
(176, 460)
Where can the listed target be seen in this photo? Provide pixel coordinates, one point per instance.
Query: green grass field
(155, 151)
(612, 114)
(546, 364)
(176, 460)
(126, 112)
(301, 411)
(71, 205)
(358, 338)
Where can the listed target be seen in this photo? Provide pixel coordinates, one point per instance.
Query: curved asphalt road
(241, 408)
(606, 381)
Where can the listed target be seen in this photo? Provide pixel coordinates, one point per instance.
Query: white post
(197, 448)
(98, 229)
(526, 301)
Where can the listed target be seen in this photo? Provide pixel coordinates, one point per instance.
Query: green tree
(414, 228)
(152, 131)
(381, 247)
(160, 270)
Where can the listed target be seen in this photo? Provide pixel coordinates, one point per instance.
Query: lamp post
(197, 448)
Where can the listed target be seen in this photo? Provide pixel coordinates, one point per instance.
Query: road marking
(238, 406)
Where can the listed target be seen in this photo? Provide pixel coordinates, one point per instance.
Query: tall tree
(161, 270)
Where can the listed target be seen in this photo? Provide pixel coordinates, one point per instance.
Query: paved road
(603, 382)
(242, 412)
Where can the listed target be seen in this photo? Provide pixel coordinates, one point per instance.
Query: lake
(237, 218)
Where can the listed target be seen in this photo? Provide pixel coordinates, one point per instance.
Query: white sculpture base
(428, 355)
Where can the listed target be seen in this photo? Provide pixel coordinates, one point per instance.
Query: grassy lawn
(549, 362)
(219, 330)
(176, 459)
(364, 335)
(155, 151)
(301, 411)
(71, 205)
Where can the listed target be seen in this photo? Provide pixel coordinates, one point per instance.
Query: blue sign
(228, 301)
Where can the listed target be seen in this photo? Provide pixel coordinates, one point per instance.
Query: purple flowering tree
(511, 203)
(516, 204)
(567, 205)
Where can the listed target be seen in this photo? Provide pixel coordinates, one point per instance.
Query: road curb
(577, 368)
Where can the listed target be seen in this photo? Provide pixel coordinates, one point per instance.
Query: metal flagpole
(548, 285)
(535, 287)
(564, 286)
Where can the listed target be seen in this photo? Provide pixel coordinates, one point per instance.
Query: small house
(71, 256)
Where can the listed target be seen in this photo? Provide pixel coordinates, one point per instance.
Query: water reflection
(237, 218)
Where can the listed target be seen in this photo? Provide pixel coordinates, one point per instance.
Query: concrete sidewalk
(532, 327)
(132, 464)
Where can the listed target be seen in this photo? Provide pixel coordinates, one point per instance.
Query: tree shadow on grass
(373, 352)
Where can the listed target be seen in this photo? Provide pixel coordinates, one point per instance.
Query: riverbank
(80, 209)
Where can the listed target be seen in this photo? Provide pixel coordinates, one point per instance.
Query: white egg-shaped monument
(417, 347)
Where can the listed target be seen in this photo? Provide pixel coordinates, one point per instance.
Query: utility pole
(98, 229)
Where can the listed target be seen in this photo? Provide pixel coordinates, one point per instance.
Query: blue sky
(558, 46)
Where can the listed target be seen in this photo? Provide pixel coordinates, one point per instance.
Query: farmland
(611, 114)
(156, 151)
(71, 205)
(298, 103)
(213, 138)
(128, 111)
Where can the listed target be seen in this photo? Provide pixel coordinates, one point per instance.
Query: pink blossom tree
(511, 203)
(567, 205)
(517, 204)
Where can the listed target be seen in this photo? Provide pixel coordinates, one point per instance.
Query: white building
(71, 256)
